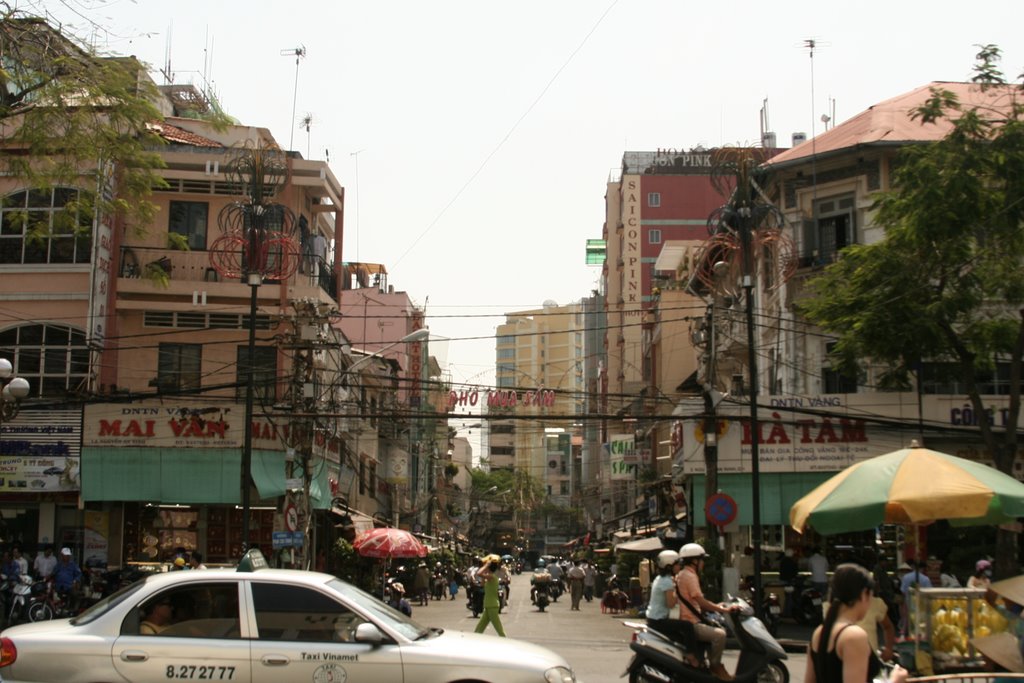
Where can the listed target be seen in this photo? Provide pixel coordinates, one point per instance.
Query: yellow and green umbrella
(910, 486)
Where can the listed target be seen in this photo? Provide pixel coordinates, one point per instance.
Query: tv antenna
(299, 52)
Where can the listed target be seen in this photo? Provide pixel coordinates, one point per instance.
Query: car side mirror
(369, 633)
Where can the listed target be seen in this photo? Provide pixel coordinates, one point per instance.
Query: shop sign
(40, 451)
(622, 456)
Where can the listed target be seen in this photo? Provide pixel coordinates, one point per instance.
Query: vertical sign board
(622, 448)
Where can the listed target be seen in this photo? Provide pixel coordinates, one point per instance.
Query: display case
(943, 622)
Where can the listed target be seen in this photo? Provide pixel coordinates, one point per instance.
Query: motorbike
(503, 592)
(49, 604)
(541, 597)
(475, 601)
(771, 607)
(439, 586)
(16, 593)
(556, 589)
(807, 605)
(659, 659)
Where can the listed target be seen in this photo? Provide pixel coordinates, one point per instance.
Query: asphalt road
(595, 644)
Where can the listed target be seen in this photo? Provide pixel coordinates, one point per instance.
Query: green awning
(779, 490)
(268, 473)
(187, 475)
(162, 475)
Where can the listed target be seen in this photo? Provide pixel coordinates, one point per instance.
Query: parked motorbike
(658, 659)
(771, 607)
(16, 594)
(49, 604)
(807, 605)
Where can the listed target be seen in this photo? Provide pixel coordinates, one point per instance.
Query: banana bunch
(949, 638)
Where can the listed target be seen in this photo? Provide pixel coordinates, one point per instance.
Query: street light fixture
(421, 334)
(15, 389)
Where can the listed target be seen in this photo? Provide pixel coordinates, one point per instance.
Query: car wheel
(775, 672)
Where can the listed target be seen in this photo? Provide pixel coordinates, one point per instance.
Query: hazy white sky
(485, 132)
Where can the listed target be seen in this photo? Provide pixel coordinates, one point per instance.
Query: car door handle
(134, 656)
(275, 660)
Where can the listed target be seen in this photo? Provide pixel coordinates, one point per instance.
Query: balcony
(143, 264)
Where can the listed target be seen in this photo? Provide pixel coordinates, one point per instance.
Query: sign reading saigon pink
(542, 398)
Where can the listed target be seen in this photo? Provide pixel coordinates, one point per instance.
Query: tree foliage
(72, 117)
(945, 284)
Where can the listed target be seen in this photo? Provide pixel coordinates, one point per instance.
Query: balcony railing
(194, 266)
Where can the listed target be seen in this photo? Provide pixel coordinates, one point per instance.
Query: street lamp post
(14, 389)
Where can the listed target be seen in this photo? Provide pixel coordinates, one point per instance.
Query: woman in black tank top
(839, 650)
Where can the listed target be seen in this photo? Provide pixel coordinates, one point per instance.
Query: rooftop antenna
(811, 44)
(307, 123)
(299, 53)
(167, 73)
(356, 155)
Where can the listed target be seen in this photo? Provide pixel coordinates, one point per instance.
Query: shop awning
(778, 492)
(642, 545)
(359, 520)
(186, 475)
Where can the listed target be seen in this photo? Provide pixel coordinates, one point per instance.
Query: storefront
(168, 476)
(40, 479)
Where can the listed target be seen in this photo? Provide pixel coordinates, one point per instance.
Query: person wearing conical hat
(1005, 649)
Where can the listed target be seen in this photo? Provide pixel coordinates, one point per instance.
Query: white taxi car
(260, 625)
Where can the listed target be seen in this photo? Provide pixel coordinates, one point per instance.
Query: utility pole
(313, 391)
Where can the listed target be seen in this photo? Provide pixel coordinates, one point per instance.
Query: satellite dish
(550, 303)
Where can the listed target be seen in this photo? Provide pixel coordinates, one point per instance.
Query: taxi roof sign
(252, 561)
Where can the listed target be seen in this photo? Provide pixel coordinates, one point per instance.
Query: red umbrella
(384, 543)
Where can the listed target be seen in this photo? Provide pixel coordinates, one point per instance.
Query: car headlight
(559, 674)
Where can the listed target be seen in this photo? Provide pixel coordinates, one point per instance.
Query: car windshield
(107, 603)
(380, 611)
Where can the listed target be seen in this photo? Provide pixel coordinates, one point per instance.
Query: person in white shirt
(22, 562)
(819, 570)
(45, 563)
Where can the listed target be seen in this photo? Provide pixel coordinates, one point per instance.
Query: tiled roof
(180, 136)
(889, 122)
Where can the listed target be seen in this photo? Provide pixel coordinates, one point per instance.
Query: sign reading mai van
(175, 424)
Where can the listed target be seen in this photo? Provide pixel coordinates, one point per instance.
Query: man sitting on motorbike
(692, 604)
(540, 576)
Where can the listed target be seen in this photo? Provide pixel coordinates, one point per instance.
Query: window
(264, 373)
(53, 358)
(948, 378)
(506, 339)
(654, 199)
(831, 230)
(46, 226)
(832, 382)
(188, 219)
(179, 367)
(296, 613)
(654, 236)
(503, 450)
(506, 354)
(205, 610)
(563, 488)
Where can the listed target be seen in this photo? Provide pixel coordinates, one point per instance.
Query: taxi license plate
(775, 609)
(816, 601)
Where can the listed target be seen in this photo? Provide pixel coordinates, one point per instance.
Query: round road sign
(720, 509)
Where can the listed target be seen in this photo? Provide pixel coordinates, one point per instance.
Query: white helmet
(692, 550)
(667, 558)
